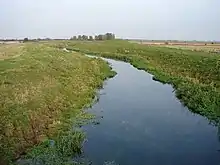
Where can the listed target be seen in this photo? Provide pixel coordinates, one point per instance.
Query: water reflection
(144, 123)
(219, 133)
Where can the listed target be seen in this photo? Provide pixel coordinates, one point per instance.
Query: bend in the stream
(144, 123)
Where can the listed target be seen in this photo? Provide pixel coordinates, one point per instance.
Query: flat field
(43, 91)
(210, 47)
(195, 75)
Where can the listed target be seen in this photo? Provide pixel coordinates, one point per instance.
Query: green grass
(57, 152)
(194, 75)
(43, 92)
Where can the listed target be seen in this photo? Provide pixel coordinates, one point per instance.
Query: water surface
(145, 124)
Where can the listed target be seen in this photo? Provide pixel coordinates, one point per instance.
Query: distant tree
(79, 37)
(110, 36)
(101, 37)
(84, 37)
(113, 36)
(107, 36)
(90, 38)
(96, 37)
(104, 37)
(73, 38)
(25, 40)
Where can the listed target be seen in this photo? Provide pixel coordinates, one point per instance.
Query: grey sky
(147, 19)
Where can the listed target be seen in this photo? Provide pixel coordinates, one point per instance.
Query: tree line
(107, 36)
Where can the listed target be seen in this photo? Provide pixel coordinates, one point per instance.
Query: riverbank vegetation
(194, 75)
(43, 91)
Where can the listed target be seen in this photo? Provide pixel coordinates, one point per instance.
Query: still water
(143, 123)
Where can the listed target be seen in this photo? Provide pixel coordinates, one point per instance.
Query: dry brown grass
(194, 46)
(206, 48)
(11, 50)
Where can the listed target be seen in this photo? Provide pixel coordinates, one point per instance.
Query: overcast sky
(144, 19)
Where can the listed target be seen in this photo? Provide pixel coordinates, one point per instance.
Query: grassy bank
(194, 75)
(43, 91)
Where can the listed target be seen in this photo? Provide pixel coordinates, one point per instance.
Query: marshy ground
(43, 89)
(195, 75)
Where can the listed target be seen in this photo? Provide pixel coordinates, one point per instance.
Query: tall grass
(57, 152)
(43, 92)
(194, 75)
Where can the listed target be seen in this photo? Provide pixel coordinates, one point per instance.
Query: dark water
(145, 124)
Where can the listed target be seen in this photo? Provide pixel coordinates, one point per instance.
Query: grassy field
(194, 75)
(43, 91)
(209, 47)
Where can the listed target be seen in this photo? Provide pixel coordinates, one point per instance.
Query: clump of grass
(194, 75)
(44, 91)
(58, 152)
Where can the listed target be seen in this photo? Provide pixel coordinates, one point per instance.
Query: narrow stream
(145, 124)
